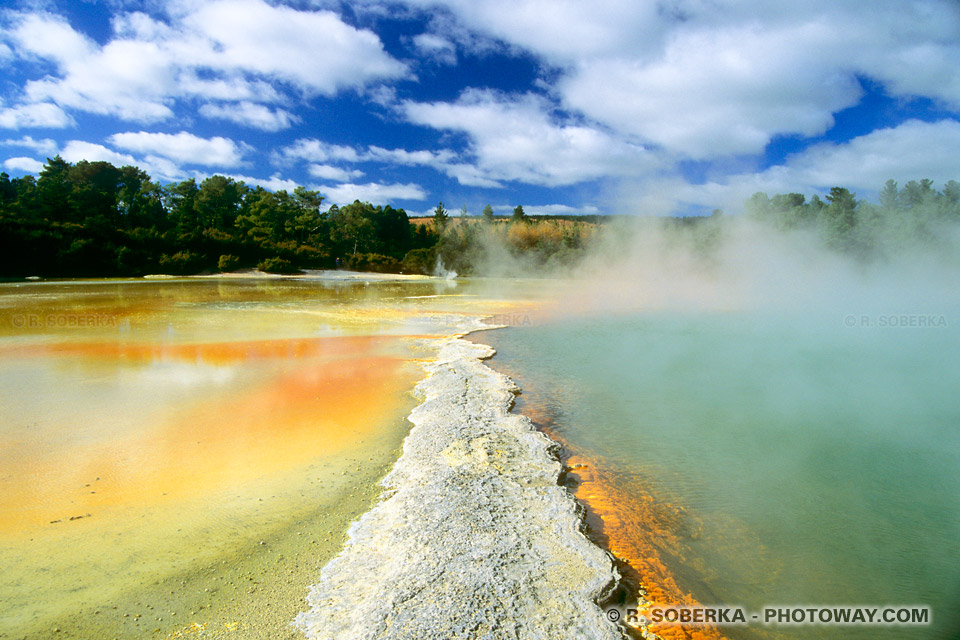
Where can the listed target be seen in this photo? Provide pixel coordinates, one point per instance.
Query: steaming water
(815, 463)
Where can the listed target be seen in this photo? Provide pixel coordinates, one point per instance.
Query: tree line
(92, 219)
(95, 219)
(917, 215)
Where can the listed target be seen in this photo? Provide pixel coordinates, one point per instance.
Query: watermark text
(62, 320)
(896, 321)
(774, 615)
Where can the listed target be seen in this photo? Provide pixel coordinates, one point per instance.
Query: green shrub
(420, 261)
(181, 263)
(277, 265)
(228, 262)
(313, 258)
(375, 262)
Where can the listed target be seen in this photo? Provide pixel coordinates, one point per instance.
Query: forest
(918, 215)
(92, 219)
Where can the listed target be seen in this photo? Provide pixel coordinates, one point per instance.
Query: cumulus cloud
(509, 139)
(26, 165)
(910, 151)
(514, 138)
(719, 92)
(251, 114)
(314, 150)
(45, 146)
(436, 48)
(126, 78)
(321, 153)
(709, 79)
(41, 114)
(49, 36)
(183, 147)
(372, 192)
(231, 50)
(629, 92)
(410, 158)
(588, 28)
(274, 41)
(273, 183)
(443, 160)
(77, 150)
(330, 172)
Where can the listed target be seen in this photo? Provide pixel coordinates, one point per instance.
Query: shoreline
(474, 533)
(332, 275)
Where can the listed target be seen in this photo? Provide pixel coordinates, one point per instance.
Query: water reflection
(149, 427)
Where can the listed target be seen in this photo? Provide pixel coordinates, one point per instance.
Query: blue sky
(564, 106)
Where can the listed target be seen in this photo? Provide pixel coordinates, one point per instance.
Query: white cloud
(126, 78)
(910, 151)
(561, 30)
(227, 89)
(137, 25)
(514, 138)
(45, 146)
(329, 172)
(27, 165)
(321, 153)
(410, 158)
(559, 209)
(50, 37)
(183, 147)
(372, 192)
(436, 47)
(719, 92)
(313, 150)
(511, 139)
(161, 168)
(42, 114)
(471, 176)
(251, 114)
(247, 51)
(708, 79)
(911, 47)
(77, 150)
(273, 183)
(158, 167)
(314, 50)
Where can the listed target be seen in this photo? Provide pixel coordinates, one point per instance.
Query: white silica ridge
(474, 538)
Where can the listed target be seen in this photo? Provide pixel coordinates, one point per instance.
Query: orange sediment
(215, 353)
(638, 531)
(319, 408)
(641, 532)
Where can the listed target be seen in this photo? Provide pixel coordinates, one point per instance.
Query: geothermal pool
(758, 459)
(181, 457)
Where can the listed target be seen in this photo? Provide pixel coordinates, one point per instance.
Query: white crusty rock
(473, 538)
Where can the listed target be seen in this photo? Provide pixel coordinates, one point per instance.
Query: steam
(440, 271)
(725, 263)
(742, 264)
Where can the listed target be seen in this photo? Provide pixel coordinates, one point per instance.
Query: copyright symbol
(849, 321)
(613, 615)
(19, 320)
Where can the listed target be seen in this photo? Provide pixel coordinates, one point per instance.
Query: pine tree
(440, 217)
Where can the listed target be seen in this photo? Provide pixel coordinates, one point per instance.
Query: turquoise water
(822, 461)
